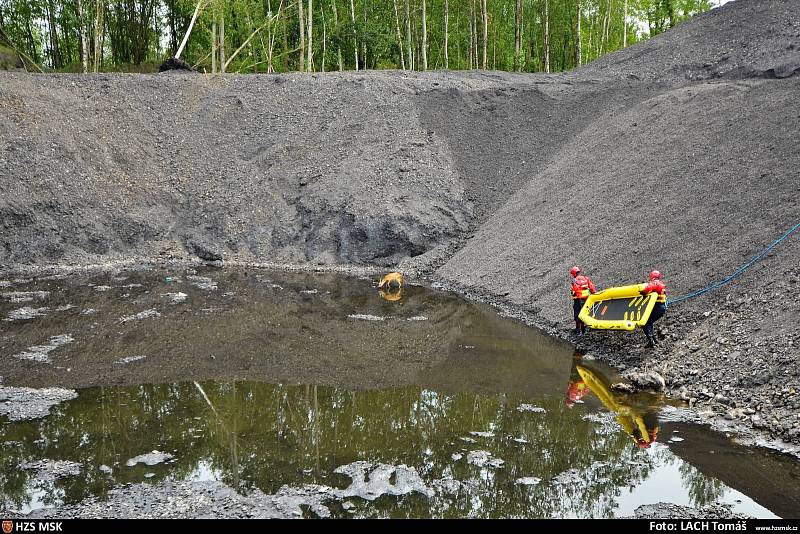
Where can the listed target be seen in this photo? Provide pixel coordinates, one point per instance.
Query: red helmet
(656, 275)
(574, 271)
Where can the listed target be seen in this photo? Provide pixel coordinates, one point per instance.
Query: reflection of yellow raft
(627, 416)
(618, 308)
(391, 296)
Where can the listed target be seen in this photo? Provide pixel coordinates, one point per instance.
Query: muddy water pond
(412, 405)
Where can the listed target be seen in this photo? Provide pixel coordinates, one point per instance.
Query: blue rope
(738, 271)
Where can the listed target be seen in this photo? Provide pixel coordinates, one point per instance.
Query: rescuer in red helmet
(581, 287)
(655, 285)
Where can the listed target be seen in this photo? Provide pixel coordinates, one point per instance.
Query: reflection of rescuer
(576, 390)
(655, 285)
(581, 287)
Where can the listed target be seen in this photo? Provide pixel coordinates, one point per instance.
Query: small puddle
(419, 406)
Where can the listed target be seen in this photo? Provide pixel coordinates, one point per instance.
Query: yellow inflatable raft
(618, 308)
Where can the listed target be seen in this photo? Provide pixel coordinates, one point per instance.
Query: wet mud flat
(248, 393)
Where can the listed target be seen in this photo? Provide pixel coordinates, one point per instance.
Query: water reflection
(335, 375)
(256, 435)
(637, 414)
(391, 295)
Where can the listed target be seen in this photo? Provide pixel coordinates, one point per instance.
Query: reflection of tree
(261, 435)
(702, 490)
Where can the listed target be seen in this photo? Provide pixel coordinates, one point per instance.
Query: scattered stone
(130, 359)
(25, 296)
(150, 458)
(41, 353)
(21, 404)
(370, 481)
(147, 314)
(528, 481)
(530, 408)
(647, 380)
(484, 458)
(417, 318)
(105, 469)
(478, 458)
(52, 469)
(203, 249)
(175, 298)
(663, 510)
(22, 314)
(623, 387)
(365, 317)
(102, 289)
(202, 282)
(482, 434)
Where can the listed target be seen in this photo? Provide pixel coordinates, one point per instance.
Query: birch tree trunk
(189, 30)
(324, 35)
(310, 36)
(285, 54)
(607, 26)
(578, 36)
(485, 34)
(625, 24)
(517, 32)
(399, 35)
(55, 54)
(470, 35)
(214, 46)
(473, 34)
(98, 26)
(424, 36)
(336, 24)
(446, 34)
(546, 36)
(222, 62)
(364, 40)
(355, 35)
(494, 47)
(84, 39)
(408, 36)
(301, 65)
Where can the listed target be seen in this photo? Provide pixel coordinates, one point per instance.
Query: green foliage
(134, 32)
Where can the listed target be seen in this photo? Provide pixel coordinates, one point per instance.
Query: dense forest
(325, 35)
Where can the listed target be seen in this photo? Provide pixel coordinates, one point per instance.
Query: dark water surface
(262, 379)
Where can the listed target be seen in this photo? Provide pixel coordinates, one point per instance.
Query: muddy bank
(482, 181)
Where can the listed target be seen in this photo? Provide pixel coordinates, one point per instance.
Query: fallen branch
(23, 56)
(189, 30)
(228, 62)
